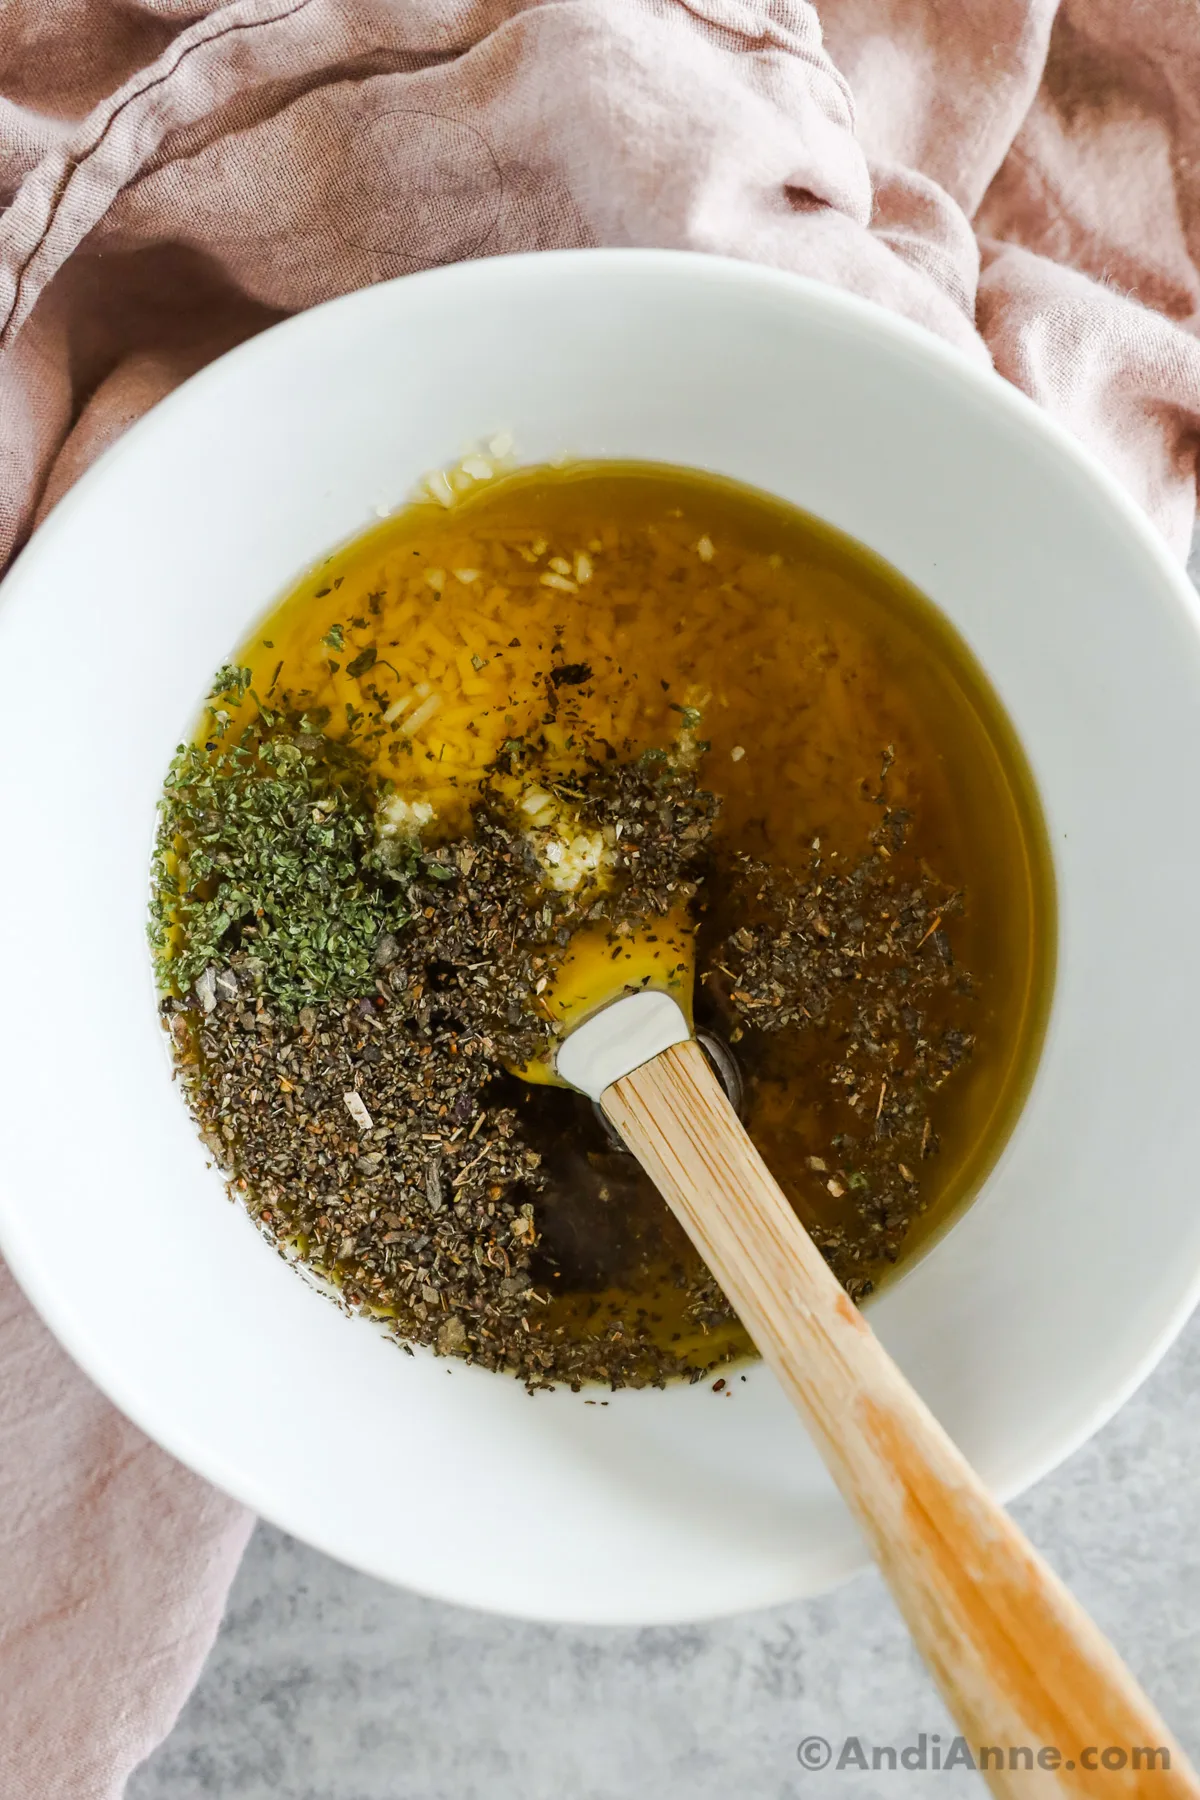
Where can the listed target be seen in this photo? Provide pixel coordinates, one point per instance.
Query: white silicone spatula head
(618, 1039)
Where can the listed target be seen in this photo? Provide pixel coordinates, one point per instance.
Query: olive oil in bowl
(716, 697)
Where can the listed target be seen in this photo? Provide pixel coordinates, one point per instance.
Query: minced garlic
(397, 817)
(568, 855)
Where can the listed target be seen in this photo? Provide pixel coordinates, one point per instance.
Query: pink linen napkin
(1021, 178)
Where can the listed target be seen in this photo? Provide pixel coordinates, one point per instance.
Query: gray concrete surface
(325, 1685)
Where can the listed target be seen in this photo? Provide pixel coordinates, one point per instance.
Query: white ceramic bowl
(1024, 1327)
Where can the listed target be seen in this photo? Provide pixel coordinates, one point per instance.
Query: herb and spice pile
(529, 727)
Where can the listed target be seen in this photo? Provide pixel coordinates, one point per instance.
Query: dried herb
(262, 854)
(342, 1009)
(853, 970)
(690, 714)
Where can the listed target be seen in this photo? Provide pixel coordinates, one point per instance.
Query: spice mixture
(555, 726)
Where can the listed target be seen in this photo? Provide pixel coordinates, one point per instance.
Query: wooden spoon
(1018, 1661)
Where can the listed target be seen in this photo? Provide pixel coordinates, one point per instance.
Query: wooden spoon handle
(1020, 1664)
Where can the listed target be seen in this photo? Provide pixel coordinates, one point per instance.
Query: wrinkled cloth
(114, 1565)
(1021, 178)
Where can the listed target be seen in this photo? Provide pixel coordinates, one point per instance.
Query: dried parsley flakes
(263, 852)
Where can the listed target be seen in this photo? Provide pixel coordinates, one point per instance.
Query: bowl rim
(822, 299)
